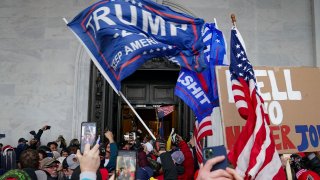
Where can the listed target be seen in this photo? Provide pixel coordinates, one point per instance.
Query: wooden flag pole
(158, 122)
(233, 20)
(288, 167)
(135, 112)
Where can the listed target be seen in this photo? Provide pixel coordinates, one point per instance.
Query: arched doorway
(151, 86)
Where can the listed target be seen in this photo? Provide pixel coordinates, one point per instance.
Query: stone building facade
(45, 73)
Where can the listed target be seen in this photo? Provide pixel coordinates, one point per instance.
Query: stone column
(316, 31)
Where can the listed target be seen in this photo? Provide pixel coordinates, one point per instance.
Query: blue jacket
(144, 173)
(113, 157)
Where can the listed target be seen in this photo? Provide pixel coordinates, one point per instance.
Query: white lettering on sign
(196, 90)
(276, 94)
(131, 47)
(103, 11)
(275, 112)
(150, 23)
(116, 60)
(135, 45)
(133, 11)
(173, 28)
(273, 108)
(266, 96)
(154, 25)
(293, 95)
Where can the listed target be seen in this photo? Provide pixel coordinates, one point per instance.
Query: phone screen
(211, 152)
(126, 165)
(88, 134)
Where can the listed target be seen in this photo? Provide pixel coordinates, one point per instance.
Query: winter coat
(113, 157)
(169, 169)
(188, 163)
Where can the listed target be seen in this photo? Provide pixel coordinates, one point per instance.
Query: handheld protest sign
(291, 97)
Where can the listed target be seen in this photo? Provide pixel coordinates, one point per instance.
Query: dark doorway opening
(160, 127)
(149, 87)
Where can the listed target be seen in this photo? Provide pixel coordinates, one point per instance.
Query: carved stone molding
(81, 91)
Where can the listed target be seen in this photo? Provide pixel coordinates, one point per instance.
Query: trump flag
(199, 90)
(120, 35)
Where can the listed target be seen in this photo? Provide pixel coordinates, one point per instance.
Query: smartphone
(88, 134)
(211, 152)
(48, 127)
(174, 138)
(126, 165)
(106, 128)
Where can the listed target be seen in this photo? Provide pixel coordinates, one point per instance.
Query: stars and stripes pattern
(164, 111)
(197, 143)
(214, 54)
(254, 154)
(201, 130)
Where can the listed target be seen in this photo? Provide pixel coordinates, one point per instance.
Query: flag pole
(233, 20)
(157, 118)
(95, 61)
(135, 112)
(215, 22)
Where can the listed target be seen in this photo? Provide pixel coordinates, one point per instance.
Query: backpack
(154, 165)
(8, 159)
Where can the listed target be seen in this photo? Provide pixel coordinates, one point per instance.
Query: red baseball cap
(309, 175)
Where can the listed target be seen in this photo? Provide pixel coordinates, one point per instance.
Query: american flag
(254, 154)
(164, 111)
(201, 130)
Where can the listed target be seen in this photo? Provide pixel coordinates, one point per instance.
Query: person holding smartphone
(205, 172)
(89, 162)
(35, 142)
(188, 159)
(111, 152)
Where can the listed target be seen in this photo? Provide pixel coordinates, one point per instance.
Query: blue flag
(199, 90)
(122, 34)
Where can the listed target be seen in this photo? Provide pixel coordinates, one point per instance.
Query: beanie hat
(148, 146)
(178, 157)
(56, 154)
(71, 162)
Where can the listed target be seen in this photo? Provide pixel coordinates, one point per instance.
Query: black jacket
(169, 169)
(313, 164)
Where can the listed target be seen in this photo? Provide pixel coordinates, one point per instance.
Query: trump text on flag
(290, 100)
(121, 35)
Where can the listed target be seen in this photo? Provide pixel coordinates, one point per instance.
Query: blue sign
(121, 35)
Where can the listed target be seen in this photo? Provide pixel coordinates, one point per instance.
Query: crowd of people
(155, 159)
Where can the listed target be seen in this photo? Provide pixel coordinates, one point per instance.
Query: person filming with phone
(35, 142)
(206, 173)
(111, 152)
